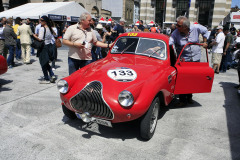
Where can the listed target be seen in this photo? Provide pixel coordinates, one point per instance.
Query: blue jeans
(54, 55)
(226, 59)
(75, 64)
(47, 68)
(96, 54)
(10, 60)
(18, 49)
(32, 49)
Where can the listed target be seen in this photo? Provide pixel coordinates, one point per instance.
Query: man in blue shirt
(141, 27)
(184, 34)
(118, 29)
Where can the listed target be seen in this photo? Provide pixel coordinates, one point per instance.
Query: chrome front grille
(90, 100)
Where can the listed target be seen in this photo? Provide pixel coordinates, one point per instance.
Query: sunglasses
(179, 26)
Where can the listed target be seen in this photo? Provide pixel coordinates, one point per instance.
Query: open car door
(193, 77)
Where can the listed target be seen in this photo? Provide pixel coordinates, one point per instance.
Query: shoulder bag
(36, 44)
(58, 43)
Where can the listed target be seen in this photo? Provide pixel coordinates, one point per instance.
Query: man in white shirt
(217, 49)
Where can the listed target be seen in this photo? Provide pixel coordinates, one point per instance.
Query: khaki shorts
(217, 58)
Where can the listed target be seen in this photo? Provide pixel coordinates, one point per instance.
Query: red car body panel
(3, 65)
(154, 76)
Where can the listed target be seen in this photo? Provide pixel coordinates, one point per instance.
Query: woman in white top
(54, 37)
(46, 53)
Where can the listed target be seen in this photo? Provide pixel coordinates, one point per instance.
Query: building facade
(120, 9)
(136, 14)
(206, 12)
(92, 6)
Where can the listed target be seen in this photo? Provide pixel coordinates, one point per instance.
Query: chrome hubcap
(153, 121)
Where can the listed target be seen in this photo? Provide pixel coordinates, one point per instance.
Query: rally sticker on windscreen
(122, 74)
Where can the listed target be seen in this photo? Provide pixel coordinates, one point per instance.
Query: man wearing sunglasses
(183, 34)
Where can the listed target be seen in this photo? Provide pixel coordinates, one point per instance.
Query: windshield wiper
(154, 52)
(127, 47)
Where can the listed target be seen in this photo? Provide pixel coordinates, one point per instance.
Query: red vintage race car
(140, 73)
(3, 65)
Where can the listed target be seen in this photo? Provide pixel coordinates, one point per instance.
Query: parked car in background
(3, 65)
(140, 74)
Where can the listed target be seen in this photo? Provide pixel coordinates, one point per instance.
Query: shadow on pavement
(232, 108)
(4, 82)
(123, 131)
(126, 130)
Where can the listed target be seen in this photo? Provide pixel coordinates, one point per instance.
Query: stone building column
(218, 12)
(228, 7)
(192, 11)
(170, 15)
(147, 11)
(5, 4)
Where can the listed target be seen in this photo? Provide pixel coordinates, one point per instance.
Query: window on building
(95, 11)
(1, 6)
(182, 8)
(131, 14)
(160, 11)
(205, 12)
(82, 5)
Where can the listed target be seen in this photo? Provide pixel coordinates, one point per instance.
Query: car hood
(146, 70)
(142, 65)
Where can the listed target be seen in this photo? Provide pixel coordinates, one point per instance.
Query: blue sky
(236, 2)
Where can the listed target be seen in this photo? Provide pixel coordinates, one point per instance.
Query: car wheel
(70, 114)
(149, 120)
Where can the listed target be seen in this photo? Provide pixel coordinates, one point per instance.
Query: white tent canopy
(36, 10)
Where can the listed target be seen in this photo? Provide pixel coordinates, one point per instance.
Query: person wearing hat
(96, 51)
(118, 29)
(217, 49)
(186, 33)
(45, 54)
(80, 38)
(25, 33)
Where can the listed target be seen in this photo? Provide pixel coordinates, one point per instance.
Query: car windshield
(140, 46)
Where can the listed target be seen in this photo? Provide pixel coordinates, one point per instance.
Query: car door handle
(209, 78)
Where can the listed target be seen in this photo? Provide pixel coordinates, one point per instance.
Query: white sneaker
(53, 69)
(53, 79)
(44, 81)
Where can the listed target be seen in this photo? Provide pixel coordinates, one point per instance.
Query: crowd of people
(89, 41)
(16, 40)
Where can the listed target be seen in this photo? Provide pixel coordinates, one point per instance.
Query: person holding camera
(80, 38)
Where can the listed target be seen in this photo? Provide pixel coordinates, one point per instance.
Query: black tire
(149, 120)
(70, 114)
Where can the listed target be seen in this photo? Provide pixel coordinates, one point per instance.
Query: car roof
(146, 35)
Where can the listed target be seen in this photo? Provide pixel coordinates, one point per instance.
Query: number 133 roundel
(122, 74)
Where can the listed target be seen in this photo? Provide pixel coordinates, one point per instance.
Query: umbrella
(151, 23)
(109, 20)
(102, 20)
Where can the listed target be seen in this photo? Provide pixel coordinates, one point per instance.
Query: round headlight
(125, 98)
(62, 86)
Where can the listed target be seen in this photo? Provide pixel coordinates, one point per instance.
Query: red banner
(236, 16)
